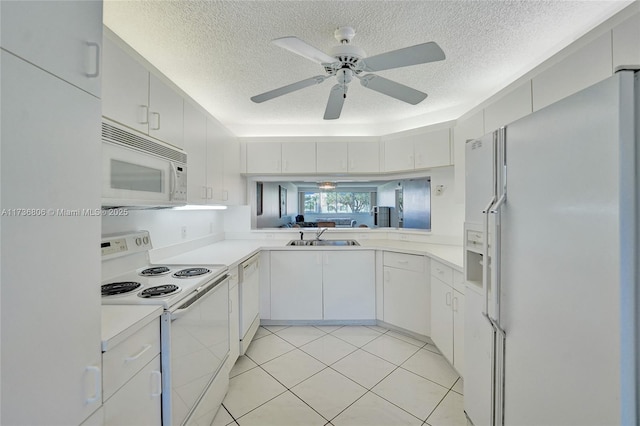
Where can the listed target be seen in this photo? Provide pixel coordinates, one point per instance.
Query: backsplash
(167, 227)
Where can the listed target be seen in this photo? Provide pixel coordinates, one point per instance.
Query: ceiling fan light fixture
(327, 186)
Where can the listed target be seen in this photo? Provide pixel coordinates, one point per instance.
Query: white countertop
(232, 252)
(121, 321)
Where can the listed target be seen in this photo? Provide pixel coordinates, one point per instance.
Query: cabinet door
(138, 402)
(234, 185)
(433, 150)
(364, 157)
(62, 37)
(166, 112)
(215, 161)
(406, 300)
(298, 157)
(234, 325)
(458, 331)
(125, 81)
(296, 285)
(349, 291)
(332, 157)
(195, 143)
(264, 157)
(442, 317)
(398, 155)
(50, 160)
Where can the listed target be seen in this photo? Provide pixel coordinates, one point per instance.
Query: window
(337, 202)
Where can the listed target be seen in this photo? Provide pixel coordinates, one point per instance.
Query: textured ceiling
(219, 52)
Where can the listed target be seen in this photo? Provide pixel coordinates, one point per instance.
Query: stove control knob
(138, 241)
(145, 240)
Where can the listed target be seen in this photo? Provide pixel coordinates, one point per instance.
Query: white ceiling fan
(347, 61)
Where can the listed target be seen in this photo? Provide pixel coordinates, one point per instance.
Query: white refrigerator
(551, 307)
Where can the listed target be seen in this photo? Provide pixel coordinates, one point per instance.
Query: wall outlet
(183, 232)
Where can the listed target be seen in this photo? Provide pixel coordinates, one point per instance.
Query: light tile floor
(341, 376)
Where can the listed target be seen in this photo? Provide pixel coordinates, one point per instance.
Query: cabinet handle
(326, 258)
(454, 304)
(157, 115)
(448, 299)
(203, 193)
(139, 354)
(209, 192)
(285, 165)
(352, 165)
(403, 262)
(410, 162)
(96, 62)
(158, 383)
(387, 276)
(143, 114)
(225, 195)
(277, 165)
(230, 306)
(96, 384)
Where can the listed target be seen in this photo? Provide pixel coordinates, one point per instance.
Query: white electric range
(194, 328)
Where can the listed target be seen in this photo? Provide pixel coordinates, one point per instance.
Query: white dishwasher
(249, 287)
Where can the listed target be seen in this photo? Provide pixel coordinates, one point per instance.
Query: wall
(165, 226)
(270, 217)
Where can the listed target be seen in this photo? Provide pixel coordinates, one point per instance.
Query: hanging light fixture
(327, 186)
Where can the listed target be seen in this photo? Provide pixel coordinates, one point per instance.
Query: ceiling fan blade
(413, 55)
(299, 47)
(393, 89)
(336, 100)
(288, 88)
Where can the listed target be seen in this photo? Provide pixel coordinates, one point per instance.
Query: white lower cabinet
(322, 285)
(138, 401)
(296, 285)
(406, 292)
(348, 283)
(132, 379)
(447, 314)
(234, 319)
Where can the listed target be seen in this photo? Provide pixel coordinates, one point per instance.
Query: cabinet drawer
(410, 262)
(442, 272)
(474, 239)
(126, 359)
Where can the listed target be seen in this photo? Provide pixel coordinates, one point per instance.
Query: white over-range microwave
(141, 171)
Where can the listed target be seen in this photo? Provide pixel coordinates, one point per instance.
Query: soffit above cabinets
(220, 54)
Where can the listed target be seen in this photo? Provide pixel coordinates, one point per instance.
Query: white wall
(165, 226)
(270, 217)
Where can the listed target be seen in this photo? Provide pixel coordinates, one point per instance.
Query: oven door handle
(198, 294)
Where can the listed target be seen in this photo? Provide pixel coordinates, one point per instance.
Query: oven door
(195, 345)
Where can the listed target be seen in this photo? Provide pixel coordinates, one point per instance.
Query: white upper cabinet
(332, 157)
(422, 151)
(298, 157)
(165, 112)
(138, 99)
(281, 157)
(580, 70)
(125, 97)
(264, 157)
(625, 42)
(195, 143)
(514, 105)
(215, 162)
(348, 157)
(364, 157)
(32, 30)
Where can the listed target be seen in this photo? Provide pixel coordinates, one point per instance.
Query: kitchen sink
(323, 243)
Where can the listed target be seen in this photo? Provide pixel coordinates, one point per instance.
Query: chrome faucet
(319, 233)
